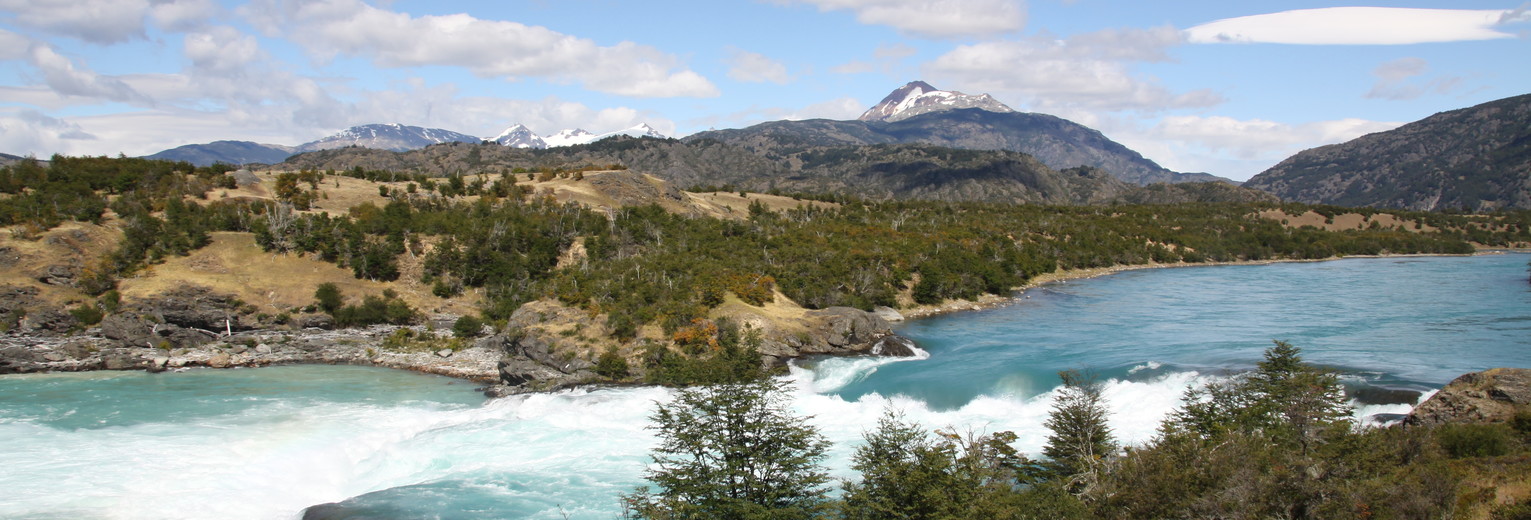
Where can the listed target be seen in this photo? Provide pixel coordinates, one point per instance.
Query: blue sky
(1228, 88)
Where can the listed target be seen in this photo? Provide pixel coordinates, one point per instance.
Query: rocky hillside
(1476, 158)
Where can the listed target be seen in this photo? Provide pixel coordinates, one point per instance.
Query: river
(267, 443)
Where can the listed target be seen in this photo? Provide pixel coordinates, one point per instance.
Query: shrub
(1474, 440)
(611, 365)
(467, 327)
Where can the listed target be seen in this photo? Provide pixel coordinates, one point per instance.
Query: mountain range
(916, 113)
(1473, 159)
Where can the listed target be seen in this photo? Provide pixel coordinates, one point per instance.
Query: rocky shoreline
(196, 328)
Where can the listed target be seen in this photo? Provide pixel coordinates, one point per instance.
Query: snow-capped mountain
(519, 136)
(919, 97)
(569, 138)
(578, 136)
(394, 137)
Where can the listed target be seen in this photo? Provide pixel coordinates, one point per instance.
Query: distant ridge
(227, 152)
(1475, 159)
(395, 137)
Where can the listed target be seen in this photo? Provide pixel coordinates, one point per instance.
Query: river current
(268, 443)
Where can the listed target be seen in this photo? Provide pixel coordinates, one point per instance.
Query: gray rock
(128, 330)
(60, 274)
(49, 319)
(316, 321)
(894, 346)
(122, 359)
(888, 313)
(1493, 395)
(446, 352)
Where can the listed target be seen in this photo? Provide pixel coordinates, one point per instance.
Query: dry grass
(233, 263)
(25, 254)
(722, 204)
(1344, 221)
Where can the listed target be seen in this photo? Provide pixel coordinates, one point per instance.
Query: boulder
(894, 346)
(63, 275)
(122, 359)
(194, 307)
(1490, 396)
(49, 319)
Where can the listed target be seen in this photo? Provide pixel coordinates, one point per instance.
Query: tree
(467, 327)
(1284, 399)
(329, 298)
(1081, 439)
(732, 451)
(906, 473)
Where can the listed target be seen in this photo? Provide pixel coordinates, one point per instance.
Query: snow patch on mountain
(518, 136)
(395, 137)
(918, 97)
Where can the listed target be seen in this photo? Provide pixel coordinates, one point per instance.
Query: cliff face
(1493, 395)
(1476, 158)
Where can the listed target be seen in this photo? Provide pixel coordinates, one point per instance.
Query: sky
(1229, 88)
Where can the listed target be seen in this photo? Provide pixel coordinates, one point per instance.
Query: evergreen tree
(1081, 440)
(733, 451)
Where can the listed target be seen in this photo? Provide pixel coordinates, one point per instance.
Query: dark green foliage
(707, 353)
(1284, 399)
(375, 310)
(467, 327)
(328, 297)
(87, 314)
(1475, 440)
(906, 473)
(1081, 441)
(611, 365)
(1278, 443)
(733, 451)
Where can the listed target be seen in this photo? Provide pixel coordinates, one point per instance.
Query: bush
(611, 365)
(329, 298)
(1475, 440)
(87, 314)
(467, 327)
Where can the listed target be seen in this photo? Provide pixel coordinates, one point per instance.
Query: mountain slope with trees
(1473, 159)
(1056, 142)
(878, 171)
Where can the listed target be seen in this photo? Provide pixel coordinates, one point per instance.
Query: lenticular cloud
(1359, 26)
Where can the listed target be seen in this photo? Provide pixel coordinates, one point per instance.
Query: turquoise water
(269, 443)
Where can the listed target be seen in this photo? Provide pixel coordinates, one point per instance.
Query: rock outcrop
(32, 353)
(1493, 395)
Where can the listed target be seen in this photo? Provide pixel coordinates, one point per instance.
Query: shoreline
(991, 301)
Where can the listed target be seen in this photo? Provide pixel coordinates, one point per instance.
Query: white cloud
(107, 22)
(13, 46)
(1359, 26)
(853, 67)
(63, 77)
(488, 48)
(1085, 71)
(1396, 80)
(28, 132)
(182, 15)
(933, 18)
(221, 50)
(751, 67)
(1236, 148)
(839, 109)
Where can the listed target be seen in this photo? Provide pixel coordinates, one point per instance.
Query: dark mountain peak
(1476, 158)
